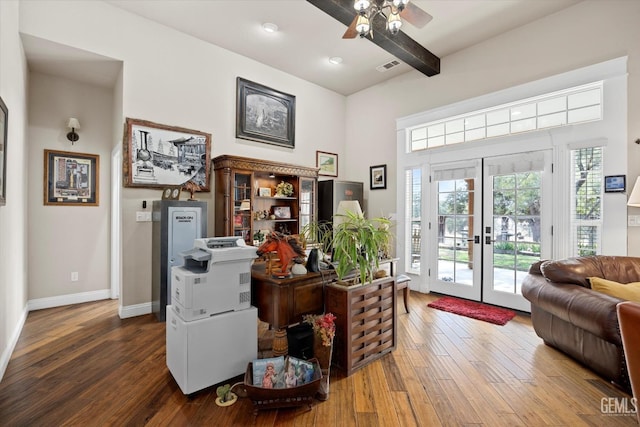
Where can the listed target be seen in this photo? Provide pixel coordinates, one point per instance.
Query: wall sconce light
(73, 124)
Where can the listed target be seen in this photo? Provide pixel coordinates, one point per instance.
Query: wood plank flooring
(82, 365)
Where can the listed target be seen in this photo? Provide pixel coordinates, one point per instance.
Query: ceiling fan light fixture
(400, 4)
(394, 23)
(361, 5)
(363, 25)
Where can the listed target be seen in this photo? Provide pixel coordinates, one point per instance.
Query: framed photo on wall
(71, 178)
(264, 114)
(327, 163)
(157, 155)
(378, 177)
(4, 116)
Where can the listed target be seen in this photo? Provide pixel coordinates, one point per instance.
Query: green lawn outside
(523, 262)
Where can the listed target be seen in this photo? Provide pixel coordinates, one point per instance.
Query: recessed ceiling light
(335, 60)
(270, 27)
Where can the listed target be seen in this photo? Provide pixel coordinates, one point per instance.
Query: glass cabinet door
(242, 205)
(308, 197)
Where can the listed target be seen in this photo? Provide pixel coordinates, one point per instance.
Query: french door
(456, 213)
(517, 224)
(490, 220)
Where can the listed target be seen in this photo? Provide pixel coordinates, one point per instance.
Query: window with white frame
(567, 107)
(586, 201)
(413, 209)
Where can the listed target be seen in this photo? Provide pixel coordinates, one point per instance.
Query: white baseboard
(134, 310)
(49, 302)
(8, 351)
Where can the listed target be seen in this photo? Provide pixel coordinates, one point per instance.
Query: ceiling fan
(389, 10)
(362, 17)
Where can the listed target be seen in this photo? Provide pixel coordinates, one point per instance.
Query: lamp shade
(344, 207)
(394, 23)
(362, 24)
(73, 123)
(634, 199)
(349, 206)
(361, 5)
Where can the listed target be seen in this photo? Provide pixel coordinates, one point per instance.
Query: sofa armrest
(587, 309)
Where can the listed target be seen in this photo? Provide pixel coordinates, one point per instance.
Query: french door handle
(476, 239)
(487, 240)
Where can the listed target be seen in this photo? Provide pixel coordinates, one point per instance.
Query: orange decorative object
(287, 247)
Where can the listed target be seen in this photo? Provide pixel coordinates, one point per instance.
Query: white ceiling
(307, 37)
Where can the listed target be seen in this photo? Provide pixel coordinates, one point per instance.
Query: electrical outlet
(74, 276)
(633, 220)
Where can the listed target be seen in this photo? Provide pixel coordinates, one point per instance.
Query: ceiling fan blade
(351, 32)
(415, 16)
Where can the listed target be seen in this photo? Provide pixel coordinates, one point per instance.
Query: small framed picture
(378, 177)
(327, 163)
(615, 184)
(282, 212)
(71, 179)
(264, 192)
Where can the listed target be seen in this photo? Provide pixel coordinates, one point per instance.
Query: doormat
(475, 310)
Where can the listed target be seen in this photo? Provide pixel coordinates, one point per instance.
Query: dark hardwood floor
(82, 365)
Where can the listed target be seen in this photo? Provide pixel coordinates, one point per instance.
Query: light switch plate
(143, 216)
(633, 221)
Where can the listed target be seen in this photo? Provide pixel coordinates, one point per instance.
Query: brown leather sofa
(568, 315)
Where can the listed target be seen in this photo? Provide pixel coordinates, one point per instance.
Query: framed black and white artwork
(264, 114)
(158, 156)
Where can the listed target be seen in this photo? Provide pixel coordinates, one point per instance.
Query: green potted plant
(357, 244)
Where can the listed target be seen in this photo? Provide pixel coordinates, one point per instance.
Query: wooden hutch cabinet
(246, 202)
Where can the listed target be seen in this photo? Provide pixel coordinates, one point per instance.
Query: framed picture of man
(264, 114)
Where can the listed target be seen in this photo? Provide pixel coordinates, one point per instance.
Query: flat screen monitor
(615, 184)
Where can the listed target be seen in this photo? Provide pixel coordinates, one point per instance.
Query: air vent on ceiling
(389, 65)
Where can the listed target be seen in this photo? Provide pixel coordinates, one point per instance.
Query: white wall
(174, 79)
(65, 239)
(587, 33)
(13, 216)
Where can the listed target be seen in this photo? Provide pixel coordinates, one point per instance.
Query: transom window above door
(561, 108)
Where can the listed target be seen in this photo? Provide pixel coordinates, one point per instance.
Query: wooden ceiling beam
(400, 45)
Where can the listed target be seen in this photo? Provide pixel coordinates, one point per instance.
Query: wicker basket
(272, 398)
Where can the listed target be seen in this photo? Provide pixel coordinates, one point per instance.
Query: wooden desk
(283, 302)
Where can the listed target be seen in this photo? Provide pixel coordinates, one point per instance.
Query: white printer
(215, 278)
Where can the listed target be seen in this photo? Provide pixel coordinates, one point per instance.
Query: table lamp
(634, 199)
